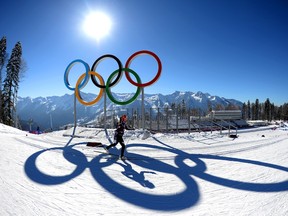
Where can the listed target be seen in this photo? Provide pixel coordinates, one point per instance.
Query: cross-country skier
(118, 136)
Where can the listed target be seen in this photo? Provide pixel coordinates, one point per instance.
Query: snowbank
(167, 174)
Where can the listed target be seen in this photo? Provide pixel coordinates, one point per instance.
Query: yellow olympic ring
(77, 91)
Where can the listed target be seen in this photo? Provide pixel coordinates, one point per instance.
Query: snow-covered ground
(166, 174)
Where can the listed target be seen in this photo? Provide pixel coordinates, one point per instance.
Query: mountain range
(56, 111)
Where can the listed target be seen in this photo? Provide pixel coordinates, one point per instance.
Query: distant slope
(60, 109)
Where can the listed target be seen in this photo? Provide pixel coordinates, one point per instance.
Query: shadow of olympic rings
(73, 156)
(186, 198)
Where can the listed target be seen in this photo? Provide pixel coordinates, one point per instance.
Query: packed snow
(165, 174)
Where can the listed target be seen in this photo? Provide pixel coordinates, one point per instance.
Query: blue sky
(233, 49)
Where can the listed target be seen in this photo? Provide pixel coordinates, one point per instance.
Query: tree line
(250, 111)
(9, 81)
(264, 111)
(183, 110)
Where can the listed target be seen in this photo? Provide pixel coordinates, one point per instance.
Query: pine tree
(285, 112)
(173, 107)
(209, 105)
(11, 84)
(183, 108)
(257, 109)
(3, 56)
(253, 111)
(267, 110)
(178, 108)
(248, 110)
(273, 114)
(244, 111)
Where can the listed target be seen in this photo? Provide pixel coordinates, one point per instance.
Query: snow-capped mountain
(56, 111)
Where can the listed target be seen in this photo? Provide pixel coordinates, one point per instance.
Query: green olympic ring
(109, 94)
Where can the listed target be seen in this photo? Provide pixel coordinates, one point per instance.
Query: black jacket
(121, 126)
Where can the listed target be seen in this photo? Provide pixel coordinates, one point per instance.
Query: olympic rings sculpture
(84, 78)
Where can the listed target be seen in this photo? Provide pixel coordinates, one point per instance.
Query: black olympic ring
(95, 64)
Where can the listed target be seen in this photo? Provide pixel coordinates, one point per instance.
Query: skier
(118, 136)
(38, 130)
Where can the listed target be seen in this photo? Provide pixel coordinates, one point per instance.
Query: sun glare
(97, 25)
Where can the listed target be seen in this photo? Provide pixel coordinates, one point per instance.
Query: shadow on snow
(164, 202)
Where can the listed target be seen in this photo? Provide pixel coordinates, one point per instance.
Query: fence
(165, 120)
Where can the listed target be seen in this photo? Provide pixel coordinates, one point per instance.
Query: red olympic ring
(142, 85)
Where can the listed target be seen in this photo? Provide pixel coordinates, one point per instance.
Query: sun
(97, 25)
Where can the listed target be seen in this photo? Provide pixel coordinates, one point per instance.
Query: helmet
(123, 118)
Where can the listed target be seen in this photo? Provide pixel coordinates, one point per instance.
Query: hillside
(56, 111)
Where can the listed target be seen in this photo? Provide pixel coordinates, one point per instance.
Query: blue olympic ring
(67, 71)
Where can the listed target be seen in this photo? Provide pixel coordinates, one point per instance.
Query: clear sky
(230, 48)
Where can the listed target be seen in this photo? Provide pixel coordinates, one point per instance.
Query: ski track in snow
(167, 174)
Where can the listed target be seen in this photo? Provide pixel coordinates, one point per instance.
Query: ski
(100, 149)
